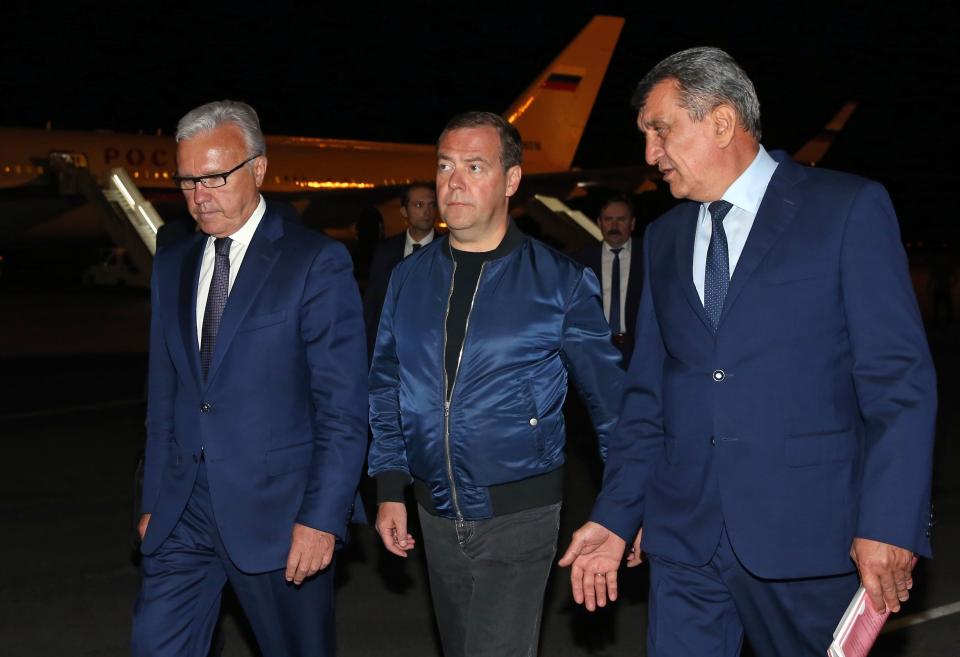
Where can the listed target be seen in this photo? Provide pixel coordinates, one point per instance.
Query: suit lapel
(187, 302)
(259, 259)
(686, 234)
(778, 208)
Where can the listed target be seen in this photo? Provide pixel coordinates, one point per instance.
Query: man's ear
(724, 120)
(403, 211)
(513, 179)
(260, 169)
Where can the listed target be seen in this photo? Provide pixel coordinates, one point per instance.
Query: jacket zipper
(456, 375)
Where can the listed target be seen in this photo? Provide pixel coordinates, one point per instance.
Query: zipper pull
(446, 409)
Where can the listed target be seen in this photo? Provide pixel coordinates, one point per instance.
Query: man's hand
(635, 558)
(142, 525)
(311, 550)
(595, 553)
(884, 572)
(392, 527)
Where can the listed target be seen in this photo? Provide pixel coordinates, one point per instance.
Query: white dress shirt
(240, 240)
(606, 268)
(408, 244)
(745, 194)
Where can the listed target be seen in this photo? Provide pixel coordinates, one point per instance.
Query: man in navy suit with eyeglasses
(256, 420)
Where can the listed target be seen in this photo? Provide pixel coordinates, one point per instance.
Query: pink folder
(858, 629)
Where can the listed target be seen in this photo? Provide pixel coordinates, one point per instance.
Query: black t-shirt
(466, 276)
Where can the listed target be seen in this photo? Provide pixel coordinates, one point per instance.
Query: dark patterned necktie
(716, 278)
(216, 300)
(615, 291)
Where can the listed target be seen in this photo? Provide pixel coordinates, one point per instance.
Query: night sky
(384, 73)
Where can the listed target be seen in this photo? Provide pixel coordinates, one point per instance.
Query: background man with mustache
(618, 253)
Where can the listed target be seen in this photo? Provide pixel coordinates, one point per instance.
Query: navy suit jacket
(808, 418)
(281, 416)
(591, 256)
(387, 254)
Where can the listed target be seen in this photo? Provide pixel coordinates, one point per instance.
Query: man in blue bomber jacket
(469, 375)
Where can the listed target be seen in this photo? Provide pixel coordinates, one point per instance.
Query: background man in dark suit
(779, 411)
(418, 206)
(619, 252)
(256, 420)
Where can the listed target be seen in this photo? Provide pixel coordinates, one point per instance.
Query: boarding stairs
(130, 220)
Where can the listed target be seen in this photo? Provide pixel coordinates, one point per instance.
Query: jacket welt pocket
(289, 459)
(823, 447)
(262, 321)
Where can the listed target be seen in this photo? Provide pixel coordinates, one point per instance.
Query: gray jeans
(487, 579)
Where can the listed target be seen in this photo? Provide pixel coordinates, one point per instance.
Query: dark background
(397, 72)
(72, 359)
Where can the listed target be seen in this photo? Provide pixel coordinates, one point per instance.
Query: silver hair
(212, 115)
(706, 78)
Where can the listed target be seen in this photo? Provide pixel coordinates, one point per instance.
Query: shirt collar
(626, 246)
(426, 240)
(245, 234)
(748, 189)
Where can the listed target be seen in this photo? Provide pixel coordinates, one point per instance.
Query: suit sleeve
(331, 327)
(593, 362)
(387, 460)
(893, 376)
(161, 394)
(637, 442)
(376, 291)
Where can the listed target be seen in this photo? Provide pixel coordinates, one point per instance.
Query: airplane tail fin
(552, 112)
(813, 151)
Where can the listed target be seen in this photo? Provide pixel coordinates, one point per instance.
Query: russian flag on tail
(561, 82)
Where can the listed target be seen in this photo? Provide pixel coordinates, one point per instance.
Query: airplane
(325, 179)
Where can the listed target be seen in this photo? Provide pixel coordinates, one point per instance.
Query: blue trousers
(706, 610)
(179, 600)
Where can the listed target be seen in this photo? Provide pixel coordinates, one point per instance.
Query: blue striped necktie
(216, 300)
(716, 278)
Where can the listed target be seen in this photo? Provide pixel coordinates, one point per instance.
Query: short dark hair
(405, 196)
(706, 78)
(511, 146)
(617, 198)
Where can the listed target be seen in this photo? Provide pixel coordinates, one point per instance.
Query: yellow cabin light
(334, 184)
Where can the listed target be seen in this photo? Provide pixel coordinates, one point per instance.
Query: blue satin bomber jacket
(536, 315)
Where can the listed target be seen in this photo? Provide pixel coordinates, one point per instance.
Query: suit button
(533, 422)
(719, 375)
(204, 407)
(713, 441)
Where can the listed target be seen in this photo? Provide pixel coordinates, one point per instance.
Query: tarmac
(72, 370)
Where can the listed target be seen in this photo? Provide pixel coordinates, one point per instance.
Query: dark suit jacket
(590, 256)
(281, 416)
(807, 419)
(386, 255)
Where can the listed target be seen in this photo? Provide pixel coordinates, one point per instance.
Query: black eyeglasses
(211, 181)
